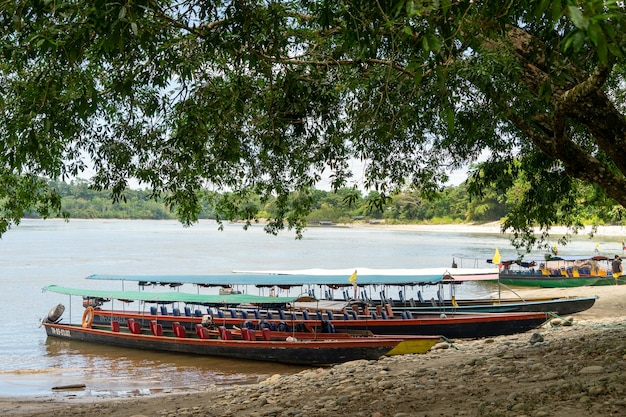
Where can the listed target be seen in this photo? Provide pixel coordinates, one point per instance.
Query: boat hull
(559, 306)
(307, 352)
(547, 281)
(452, 326)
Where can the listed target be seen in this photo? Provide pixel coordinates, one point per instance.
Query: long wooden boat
(451, 325)
(560, 272)
(439, 276)
(316, 351)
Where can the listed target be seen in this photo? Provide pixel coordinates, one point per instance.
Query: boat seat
(575, 273)
(266, 334)
(175, 312)
(219, 314)
(305, 313)
(419, 297)
(345, 315)
(175, 324)
(202, 332)
(374, 315)
(233, 313)
(252, 334)
(157, 329)
(152, 326)
(133, 326)
(353, 314)
(408, 315)
(319, 315)
(244, 314)
(115, 326)
(163, 310)
(281, 314)
(227, 334)
(389, 310)
(187, 311)
(268, 315)
(197, 313)
(245, 334)
(384, 315)
(153, 310)
(257, 315)
(330, 315)
(180, 331)
(433, 302)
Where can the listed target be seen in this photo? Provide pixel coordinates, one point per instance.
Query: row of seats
(133, 326)
(175, 311)
(306, 315)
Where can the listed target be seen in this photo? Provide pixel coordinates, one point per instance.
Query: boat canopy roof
(534, 261)
(289, 278)
(172, 296)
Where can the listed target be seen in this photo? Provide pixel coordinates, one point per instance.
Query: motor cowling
(55, 314)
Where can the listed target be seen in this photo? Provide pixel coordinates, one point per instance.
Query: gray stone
(594, 369)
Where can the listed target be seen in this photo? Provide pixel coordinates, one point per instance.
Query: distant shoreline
(488, 228)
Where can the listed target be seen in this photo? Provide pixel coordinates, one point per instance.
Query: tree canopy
(267, 97)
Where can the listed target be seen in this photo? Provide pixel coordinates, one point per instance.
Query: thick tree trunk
(580, 103)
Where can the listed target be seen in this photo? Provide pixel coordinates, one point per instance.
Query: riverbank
(562, 371)
(488, 228)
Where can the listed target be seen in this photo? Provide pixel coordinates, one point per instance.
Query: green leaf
(577, 17)
(557, 10)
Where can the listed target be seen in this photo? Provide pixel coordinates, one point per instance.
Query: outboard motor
(54, 316)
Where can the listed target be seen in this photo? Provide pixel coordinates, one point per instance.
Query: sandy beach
(577, 370)
(491, 228)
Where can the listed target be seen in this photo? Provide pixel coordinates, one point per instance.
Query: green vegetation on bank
(452, 205)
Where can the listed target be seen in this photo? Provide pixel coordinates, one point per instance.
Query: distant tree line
(451, 205)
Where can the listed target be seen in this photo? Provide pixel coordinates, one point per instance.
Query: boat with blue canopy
(315, 276)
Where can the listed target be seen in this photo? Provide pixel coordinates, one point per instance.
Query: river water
(39, 253)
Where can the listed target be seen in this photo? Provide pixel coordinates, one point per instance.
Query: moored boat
(451, 325)
(308, 350)
(560, 272)
(560, 306)
(301, 352)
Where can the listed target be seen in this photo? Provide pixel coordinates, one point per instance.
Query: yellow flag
(496, 257)
(352, 278)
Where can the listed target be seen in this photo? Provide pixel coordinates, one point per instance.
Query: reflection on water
(118, 369)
